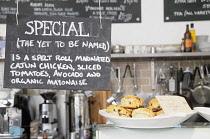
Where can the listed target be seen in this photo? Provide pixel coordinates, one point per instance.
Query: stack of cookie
(132, 106)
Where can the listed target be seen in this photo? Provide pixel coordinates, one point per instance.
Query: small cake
(118, 111)
(142, 113)
(131, 101)
(129, 110)
(154, 105)
(160, 112)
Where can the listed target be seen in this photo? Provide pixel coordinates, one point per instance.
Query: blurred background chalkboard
(119, 11)
(186, 10)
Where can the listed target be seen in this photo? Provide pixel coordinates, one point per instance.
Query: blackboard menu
(54, 52)
(186, 10)
(119, 11)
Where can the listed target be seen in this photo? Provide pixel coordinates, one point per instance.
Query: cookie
(160, 112)
(142, 113)
(118, 111)
(154, 105)
(131, 101)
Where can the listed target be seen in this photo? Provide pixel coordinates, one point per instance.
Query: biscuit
(160, 112)
(131, 101)
(154, 105)
(118, 111)
(142, 113)
(129, 110)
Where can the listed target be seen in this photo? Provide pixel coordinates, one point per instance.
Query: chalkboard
(186, 10)
(119, 11)
(54, 52)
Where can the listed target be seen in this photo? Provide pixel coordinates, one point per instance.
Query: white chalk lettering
(72, 29)
(38, 26)
(67, 74)
(43, 43)
(185, 1)
(63, 58)
(104, 46)
(22, 65)
(30, 73)
(66, 82)
(186, 13)
(26, 58)
(15, 57)
(60, 44)
(89, 67)
(180, 1)
(207, 12)
(57, 66)
(205, 0)
(178, 14)
(26, 81)
(81, 29)
(82, 1)
(55, 28)
(29, 24)
(46, 27)
(73, 43)
(93, 74)
(92, 58)
(206, 6)
(24, 43)
(41, 57)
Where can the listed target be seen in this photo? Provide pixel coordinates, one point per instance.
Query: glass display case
(187, 130)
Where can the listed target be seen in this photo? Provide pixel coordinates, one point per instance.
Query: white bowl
(202, 38)
(204, 112)
(161, 121)
(204, 45)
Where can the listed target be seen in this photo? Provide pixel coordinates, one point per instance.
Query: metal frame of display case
(162, 55)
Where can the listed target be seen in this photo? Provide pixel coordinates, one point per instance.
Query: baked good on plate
(129, 110)
(159, 112)
(154, 105)
(118, 111)
(142, 113)
(131, 101)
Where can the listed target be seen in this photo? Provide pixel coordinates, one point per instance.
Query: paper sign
(173, 104)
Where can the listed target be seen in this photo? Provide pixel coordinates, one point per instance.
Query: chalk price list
(119, 11)
(187, 10)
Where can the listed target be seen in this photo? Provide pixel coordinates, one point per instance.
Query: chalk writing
(186, 10)
(57, 52)
(110, 9)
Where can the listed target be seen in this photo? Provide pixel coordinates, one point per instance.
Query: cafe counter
(187, 130)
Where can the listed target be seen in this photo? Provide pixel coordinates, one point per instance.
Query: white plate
(204, 112)
(161, 121)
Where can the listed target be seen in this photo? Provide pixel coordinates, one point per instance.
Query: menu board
(54, 52)
(119, 11)
(186, 10)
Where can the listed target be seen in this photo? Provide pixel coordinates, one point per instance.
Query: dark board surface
(53, 52)
(119, 11)
(186, 10)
